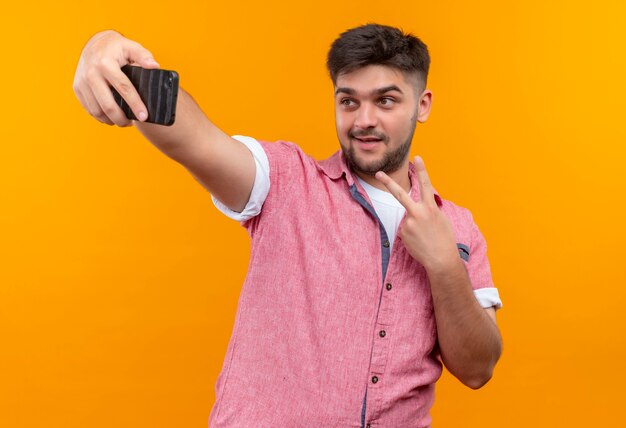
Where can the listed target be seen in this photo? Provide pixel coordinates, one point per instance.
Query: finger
(136, 54)
(117, 79)
(396, 190)
(83, 102)
(91, 105)
(104, 96)
(427, 193)
(86, 99)
(109, 107)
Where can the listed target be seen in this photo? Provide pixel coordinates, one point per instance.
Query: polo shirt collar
(335, 167)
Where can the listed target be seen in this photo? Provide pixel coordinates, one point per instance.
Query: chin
(369, 168)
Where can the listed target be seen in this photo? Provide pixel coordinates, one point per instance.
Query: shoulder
(459, 216)
(282, 150)
(286, 157)
(464, 224)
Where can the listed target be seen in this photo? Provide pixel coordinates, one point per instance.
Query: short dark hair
(381, 45)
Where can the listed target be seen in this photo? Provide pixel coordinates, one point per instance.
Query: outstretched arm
(223, 165)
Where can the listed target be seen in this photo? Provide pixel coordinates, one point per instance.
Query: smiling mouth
(368, 140)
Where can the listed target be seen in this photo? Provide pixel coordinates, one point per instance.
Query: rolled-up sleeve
(261, 183)
(479, 271)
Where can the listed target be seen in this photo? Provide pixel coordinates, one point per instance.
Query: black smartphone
(158, 89)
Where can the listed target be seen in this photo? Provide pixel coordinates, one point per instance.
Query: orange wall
(119, 280)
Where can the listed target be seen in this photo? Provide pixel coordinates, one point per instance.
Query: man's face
(376, 110)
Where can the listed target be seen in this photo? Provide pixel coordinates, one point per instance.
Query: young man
(362, 278)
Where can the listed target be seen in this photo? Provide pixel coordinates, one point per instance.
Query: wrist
(451, 266)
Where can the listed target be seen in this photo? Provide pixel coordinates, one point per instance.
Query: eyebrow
(378, 91)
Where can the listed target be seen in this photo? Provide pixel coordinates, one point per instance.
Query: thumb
(136, 54)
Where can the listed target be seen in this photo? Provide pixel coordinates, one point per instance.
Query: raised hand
(99, 67)
(425, 231)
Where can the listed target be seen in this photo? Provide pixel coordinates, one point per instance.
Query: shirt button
(374, 379)
(388, 286)
(382, 333)
(386, 244)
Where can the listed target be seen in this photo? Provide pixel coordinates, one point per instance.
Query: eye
(348, 102)
(386, 101)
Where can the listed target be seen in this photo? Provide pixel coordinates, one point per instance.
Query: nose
(366, 116)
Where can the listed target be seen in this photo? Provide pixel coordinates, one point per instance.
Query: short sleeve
(479, 271)
(261, 185)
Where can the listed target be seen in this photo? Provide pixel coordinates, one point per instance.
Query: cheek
(342, 123)
(398, 125)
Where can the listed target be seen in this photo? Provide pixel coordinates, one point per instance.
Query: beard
(390, 162)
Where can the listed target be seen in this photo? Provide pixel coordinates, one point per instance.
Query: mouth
(368, 139)
(368, 144)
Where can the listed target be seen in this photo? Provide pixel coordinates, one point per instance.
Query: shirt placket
(382, 331)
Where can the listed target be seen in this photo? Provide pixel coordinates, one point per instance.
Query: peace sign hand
(425, 231)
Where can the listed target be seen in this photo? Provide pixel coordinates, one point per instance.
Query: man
(341, 320)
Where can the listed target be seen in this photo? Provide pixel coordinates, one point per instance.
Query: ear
(425, 102)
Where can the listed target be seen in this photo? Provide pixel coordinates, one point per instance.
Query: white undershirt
(389, 210)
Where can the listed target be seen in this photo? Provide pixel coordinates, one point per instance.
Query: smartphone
(158, 89)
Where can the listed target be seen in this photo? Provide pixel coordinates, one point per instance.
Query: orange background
(119, 280)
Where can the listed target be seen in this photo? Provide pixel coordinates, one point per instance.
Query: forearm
(190, 128)
(469, 340)
(223, 165)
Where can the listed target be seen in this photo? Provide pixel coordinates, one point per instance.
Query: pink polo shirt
(328, 312)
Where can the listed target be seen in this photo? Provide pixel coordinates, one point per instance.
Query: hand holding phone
(158, 89)
(100, 68)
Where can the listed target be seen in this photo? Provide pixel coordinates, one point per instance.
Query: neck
(400, 176)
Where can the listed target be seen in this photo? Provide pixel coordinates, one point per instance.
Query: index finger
(125, 89)
(134, 54)
(103, 94)
(427, 194)
(396, 190)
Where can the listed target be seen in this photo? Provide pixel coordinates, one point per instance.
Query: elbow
(480, 375)
(475, 378)
(477, 382)
(475, 372)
